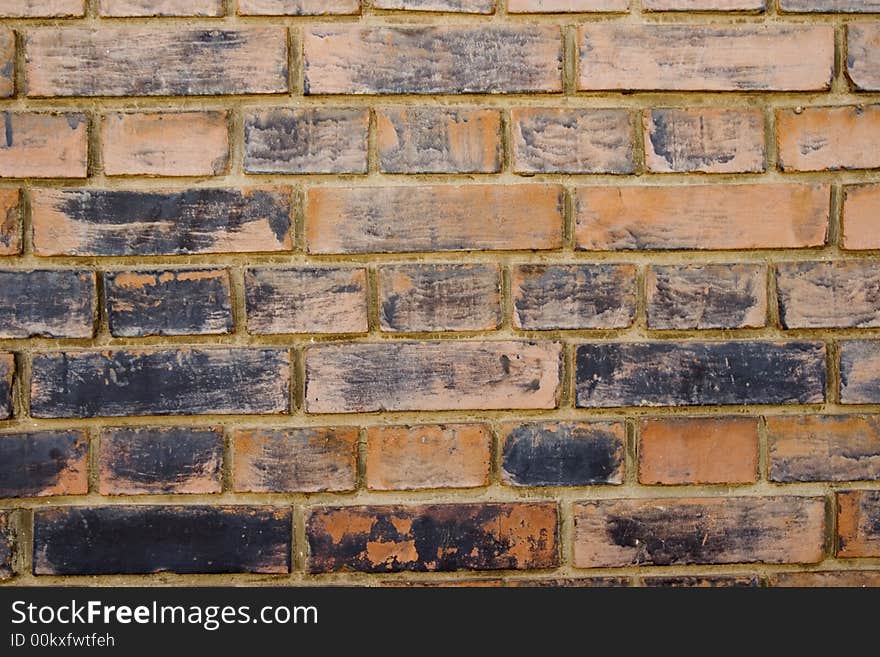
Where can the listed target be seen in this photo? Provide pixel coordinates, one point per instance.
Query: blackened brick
(43, 463)
(50, 303)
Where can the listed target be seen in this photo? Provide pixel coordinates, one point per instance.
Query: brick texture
(350, 292)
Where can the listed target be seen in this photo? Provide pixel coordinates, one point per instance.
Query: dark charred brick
(152, 539)
(123, 223)
(707, 296)
(700, 373)
(306, 460)
(159, 461)
(7, 375)
(47, 303)
(824, 448)
(169, 382)
(6, 545)
(703, 581)
(858, 524)
(43, 463)
(175, 302)
(323, 140)
(563, 454)
(860, 372)
(455, 59)
(610, 533)
(547, 297)
(572, 582)
(829, 294)
(440, 297)
(443, 537)
(306, 300)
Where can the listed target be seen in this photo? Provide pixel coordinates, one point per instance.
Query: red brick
(860, 372)
(565, 6)
(704, 139)
(297, 7)
(162, 7)
(842, 6)
(698, 451)
(704, 5)
(861, 209)
(44, 146)
(460, 6)
(44, 463)
(819, 138)
(858, 524)
(707, 217)
(428, 456)
(863, 55)
(459, 297)
(828, 578)
(441, 537)
(7, 62)
(433, 218)
(300, 460)
(572, 140)
(122, 61)
(165, 144)
(42, 8)
(842, 294)
(677, 531)
(10, 222)
(431, 376)
(762, 57)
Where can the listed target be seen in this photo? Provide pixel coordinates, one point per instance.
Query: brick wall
(574, 292)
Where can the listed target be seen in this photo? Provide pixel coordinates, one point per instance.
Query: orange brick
(565, 6)
(297, 7)
(42, 8)
(161, 8)
(858, 524)
(819, 138)
(861, 217)
(10, 222)
(44, 146)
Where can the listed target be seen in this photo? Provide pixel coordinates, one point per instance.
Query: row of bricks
(361, 377)
(413, 140)
(448, 537)
(407, 219)
(127, 8)
(416, 298)
(677, 451)
(354, 59)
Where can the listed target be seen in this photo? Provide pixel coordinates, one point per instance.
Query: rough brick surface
(863, 55)
(861, 229)
(297, 7)
(43, 463)
(858, 524)
(42, 8)
(860, 372)
(820, 138)
(52, 303)
(44, 146)
(121, 8)
(10, 222)
(829, 294)
(7, 546)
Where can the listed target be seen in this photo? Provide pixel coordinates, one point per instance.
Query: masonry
(440, 292)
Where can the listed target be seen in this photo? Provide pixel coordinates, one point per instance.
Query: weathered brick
(7, 376)
(703, 581)
(321, 140)
(297, 7)
(828, 578)
(461, 6)
(858, 524)
(44, 146)
(121, 223)
(842, 6)
(860, 372)
(428, 456)
(42, 8)
(10, 222)
(440, 537)
(439, 375)
(438, 140)
(350, 59)
(838, 294)
(302, 460)
(704, 139)
(706, 296)
(700, 373)
(43, 463)
(572, 140)
(433, 218)
(757, 57)
(704, 5)
(610, 533)
(7, 545)
(165, 143)
(698, 451)
(160, 460)
(547, 297)
(824, 448)
(571, 582)
(173, 302)
(50, 303)
(150, 539)
(459, 297)
(162, 7)
(163, 382)
(863, 55)
(565, 6)
(306, 300)
(563, 453)
(861, 209)
(7, 62)
(818, 138)
(123, 61)
(711, 217)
